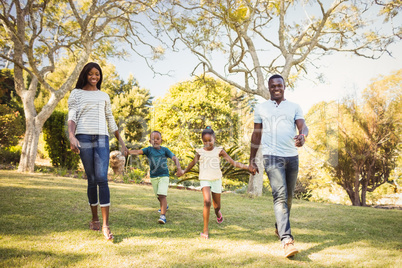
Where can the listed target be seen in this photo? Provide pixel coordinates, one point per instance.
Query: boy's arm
(225, 155)
(135, 152)
(192, 163)
(177, 162)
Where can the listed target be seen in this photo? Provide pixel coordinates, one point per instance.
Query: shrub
(57, 143)
(12, 126)
(10, 155)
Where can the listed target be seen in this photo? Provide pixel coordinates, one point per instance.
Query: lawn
(44, 223)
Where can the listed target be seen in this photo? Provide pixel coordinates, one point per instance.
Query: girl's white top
(90, 110)
(210, 168)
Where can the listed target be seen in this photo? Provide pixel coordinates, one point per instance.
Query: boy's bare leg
(163, 203)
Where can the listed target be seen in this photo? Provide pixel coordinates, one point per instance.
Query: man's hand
(253, 167)
(299, 140)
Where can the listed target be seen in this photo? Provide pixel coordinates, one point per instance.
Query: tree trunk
(256, 182)
(356, 196)
(363, 193)
(30, 147)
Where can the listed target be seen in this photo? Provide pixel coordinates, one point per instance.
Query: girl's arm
(123, 145)
(191, 165)
(225, 155)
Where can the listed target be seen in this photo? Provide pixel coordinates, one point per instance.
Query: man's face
(276, 89)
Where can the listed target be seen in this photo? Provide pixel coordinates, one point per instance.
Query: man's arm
(255, 144)
(303, 132)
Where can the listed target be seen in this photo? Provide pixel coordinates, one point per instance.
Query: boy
(157, 158)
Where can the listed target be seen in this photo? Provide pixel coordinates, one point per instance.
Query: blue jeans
(282, 174)
(94, 153)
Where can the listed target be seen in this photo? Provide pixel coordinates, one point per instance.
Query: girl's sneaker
(162, 219)
(220, 219)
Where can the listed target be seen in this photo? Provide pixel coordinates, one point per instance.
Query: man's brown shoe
(289, 248)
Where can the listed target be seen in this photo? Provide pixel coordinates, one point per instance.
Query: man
(275, 123)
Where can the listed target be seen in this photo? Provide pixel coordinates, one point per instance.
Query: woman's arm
(123, 145)
(74, 143)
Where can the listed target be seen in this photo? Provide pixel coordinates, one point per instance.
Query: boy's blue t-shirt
(158, 161)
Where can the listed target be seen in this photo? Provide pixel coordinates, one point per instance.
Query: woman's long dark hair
(83, 78)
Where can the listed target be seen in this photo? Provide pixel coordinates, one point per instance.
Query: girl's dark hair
(83, 78)
(207, 130)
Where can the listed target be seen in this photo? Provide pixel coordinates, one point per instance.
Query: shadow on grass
(38, 205)
(37, 258)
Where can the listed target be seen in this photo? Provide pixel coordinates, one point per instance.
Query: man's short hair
(276, 76)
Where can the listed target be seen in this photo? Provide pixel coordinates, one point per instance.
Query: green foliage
(131, 109)
(184, 112)
(361, 146)
(57, 143)
(134, 175)
(10, 154)
(7, 91)
(12, 126)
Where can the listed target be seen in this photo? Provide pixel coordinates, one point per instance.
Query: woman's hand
(74, 144)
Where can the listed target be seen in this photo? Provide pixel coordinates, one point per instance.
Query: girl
(211, 175)
(89, 117)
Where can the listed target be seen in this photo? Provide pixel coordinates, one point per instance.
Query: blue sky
(344, 74)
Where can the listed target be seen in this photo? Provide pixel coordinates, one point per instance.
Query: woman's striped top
(90, 110)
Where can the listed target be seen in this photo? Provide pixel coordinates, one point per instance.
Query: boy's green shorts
(160, 185)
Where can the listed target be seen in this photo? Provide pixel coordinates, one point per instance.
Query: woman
(89, 116)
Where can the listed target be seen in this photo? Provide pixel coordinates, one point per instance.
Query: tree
(132, 108)
(184, 112)
(36, 37)
(259, 38)
(362, 148)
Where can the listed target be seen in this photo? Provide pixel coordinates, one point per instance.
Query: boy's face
(155, 139)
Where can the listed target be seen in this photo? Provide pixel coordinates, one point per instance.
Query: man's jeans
(94, 153)
(282, 175)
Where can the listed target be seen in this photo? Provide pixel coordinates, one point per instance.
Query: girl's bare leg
(206, 192)
(216, 199)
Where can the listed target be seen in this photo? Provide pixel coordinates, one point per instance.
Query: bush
(10, 155)
(12, 126)
(57, 143)
(134, 175)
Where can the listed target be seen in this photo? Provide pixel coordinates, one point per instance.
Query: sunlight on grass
(44, 223)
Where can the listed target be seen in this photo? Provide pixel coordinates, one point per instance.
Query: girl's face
(209, 141)
(93, 77)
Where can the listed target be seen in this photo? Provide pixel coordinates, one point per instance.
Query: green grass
(44, 223)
